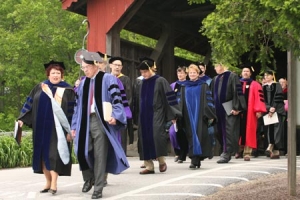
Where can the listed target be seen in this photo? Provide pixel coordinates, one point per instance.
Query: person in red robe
(254, 97)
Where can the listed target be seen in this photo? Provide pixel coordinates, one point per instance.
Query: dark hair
(181, 68)
(57, 67)
(201, 63)
(270, 72)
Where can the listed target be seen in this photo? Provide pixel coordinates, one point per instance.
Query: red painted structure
(102, 15)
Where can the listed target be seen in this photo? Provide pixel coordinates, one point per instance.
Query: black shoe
(224, 158)
(193, 166)
(97, 195)
(87, 186)
(45, 190)
(52, 191)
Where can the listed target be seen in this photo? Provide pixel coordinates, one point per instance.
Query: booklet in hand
(18, 133)
(227, 107)
(107, 110)
(270, 120)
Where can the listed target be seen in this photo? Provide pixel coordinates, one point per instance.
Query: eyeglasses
(118, 65)
(85, 67)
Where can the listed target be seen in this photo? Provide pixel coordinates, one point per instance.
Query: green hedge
(12, 155)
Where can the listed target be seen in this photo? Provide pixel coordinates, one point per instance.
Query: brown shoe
(163, 167)
(146, 171)
(246, 158)
(275, 154)
(237, 155)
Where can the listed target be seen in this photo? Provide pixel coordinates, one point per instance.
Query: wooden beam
(131, 11)
(113, 35)
(165, 48)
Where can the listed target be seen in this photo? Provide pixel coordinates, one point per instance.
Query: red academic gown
(254, 96)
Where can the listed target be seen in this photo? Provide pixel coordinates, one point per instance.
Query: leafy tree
(33, 33)
(253, 27)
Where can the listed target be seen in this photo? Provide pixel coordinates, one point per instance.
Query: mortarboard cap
(54, 63)
(112, 59)
(91, 57)
(249, 66)
(104, 55)
(146, 63)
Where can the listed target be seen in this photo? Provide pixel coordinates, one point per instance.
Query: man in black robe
(226, 88)
(158, 105)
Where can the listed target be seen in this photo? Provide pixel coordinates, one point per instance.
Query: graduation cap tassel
(274, 77)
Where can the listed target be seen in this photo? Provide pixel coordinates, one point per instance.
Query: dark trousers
(128, 130)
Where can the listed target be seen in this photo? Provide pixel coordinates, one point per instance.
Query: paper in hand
(18, 133)
(270, 120)
(175, 127)
(107, 110)
(227, 107)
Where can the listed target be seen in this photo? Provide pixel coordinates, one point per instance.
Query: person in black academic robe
(158, 105)
(226, 87)
(37, 113)
(274, 103)
(116, 66)
(198, 113)
(177, 133)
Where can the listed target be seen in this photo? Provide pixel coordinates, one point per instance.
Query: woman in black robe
(51, 141)
(198, 113)
(274, 103)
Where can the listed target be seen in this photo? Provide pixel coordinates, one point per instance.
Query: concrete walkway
(178, 182)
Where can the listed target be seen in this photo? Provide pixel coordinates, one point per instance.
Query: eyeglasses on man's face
(85, 67)
(117, 65)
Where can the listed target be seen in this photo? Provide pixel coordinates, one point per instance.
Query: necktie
(91, 93)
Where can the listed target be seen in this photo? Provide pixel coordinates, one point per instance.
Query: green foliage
(31, 34)
(255, 27)
(73, 157)
(12, 155)
(7, 121)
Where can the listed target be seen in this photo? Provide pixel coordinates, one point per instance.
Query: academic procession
(143, 122)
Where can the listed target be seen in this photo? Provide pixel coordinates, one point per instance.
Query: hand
(258, 115)
(69, 137)
(210, 121)
(73, 133)
(174, 121)
(235, 112)
(20, 123)
(112, 121)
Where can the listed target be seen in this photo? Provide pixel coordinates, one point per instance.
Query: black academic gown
(37, 113)
(274, 98)
(158, 105)
(226, 87)
(197, 109)
(136, 100)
